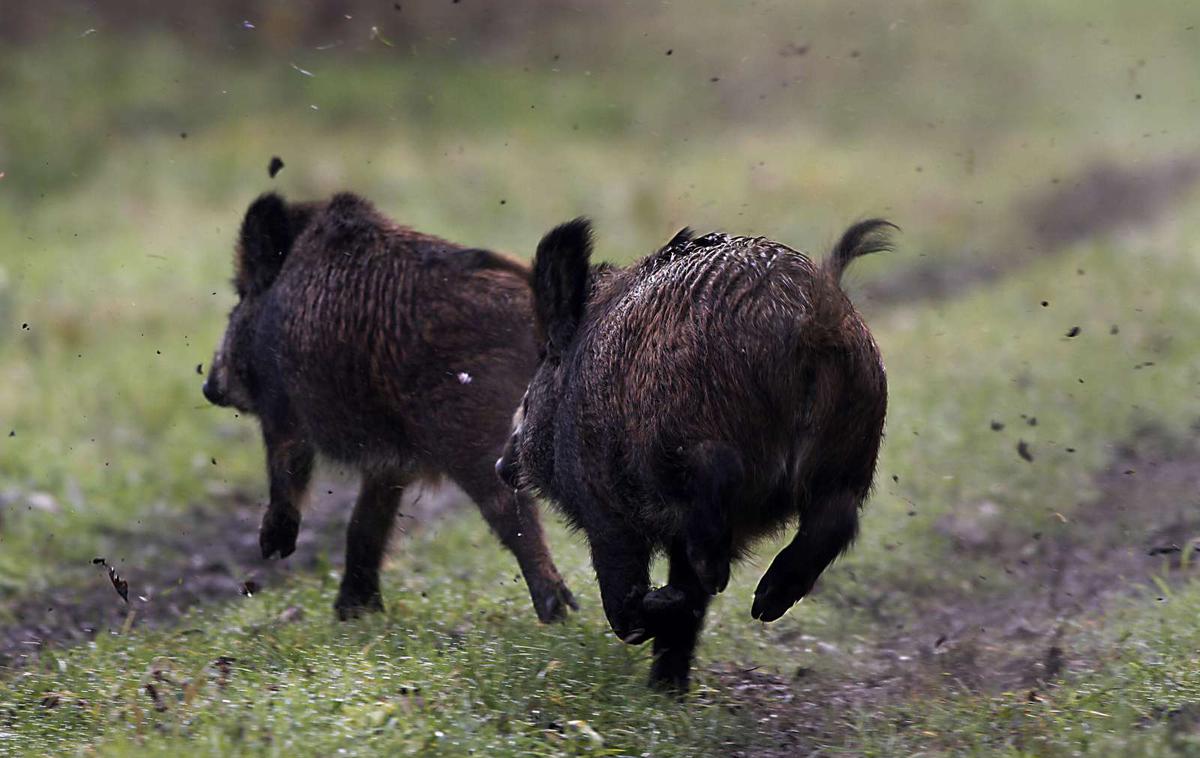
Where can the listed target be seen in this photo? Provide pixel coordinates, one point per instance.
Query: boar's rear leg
(827, 527)
(366, 540)
(622, 562)
(677, 621)
(513, 517)
(715, 474)
(289, 465)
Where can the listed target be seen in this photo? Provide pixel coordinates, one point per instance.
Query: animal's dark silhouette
(719, 390)
(389, 350)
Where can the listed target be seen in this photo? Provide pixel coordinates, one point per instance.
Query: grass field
(127, 162)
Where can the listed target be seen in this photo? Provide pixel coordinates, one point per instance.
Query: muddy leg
(677, 613)
(827, 528)
(366, 540)
(513, 517)
(289, 465)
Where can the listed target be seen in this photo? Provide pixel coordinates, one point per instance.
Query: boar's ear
(266, 237)
(560, 282)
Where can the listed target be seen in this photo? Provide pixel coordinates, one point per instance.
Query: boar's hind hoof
(635, 636)
(664, 603)
(630, 623)
(278, 534)
(349, 609)
(771, 601)
(553, 606)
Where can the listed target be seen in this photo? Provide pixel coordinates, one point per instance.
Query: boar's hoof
(772, 599)
(634, 636)
(278, 533)
(669, 676)
(553, 605)
(630, 623)
(349, 608)
(664, 603)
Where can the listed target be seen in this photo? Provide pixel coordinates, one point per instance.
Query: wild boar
(720, 390)
(388, 350)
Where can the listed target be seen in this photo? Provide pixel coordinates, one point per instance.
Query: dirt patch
(1106, 197)
(1103, 198)
(176, 560)
(1141, 527)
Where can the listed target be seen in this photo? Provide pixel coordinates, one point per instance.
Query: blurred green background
(1041, 158)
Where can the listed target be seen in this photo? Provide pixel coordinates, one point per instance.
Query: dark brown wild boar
(392, 351)
(718, 391)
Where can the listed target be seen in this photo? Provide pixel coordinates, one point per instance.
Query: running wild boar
(719, 391)
(394, 352)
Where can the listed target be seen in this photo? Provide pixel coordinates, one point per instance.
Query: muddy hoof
(349, 608)
(555, 605)
(278, 533)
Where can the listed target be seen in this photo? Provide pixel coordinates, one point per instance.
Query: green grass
(115, 248)
(457, 665)
(470, 643)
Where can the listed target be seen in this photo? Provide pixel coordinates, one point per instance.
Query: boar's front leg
(827, 527)
(366, 540)
(289, 465)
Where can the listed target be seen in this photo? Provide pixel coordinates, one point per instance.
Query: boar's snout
(506, 465)
(213, 392)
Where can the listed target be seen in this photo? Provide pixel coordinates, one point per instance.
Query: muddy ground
(1112, 547)
(1103, 198)
(206, 554)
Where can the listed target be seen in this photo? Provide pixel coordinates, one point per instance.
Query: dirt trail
(1102, 198)
(1138, 528)
(207, 553)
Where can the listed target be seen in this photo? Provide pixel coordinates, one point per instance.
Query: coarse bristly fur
(392, 351)
(719, 390)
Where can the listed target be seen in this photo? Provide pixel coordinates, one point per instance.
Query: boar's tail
(864, 238)
(829, 308)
